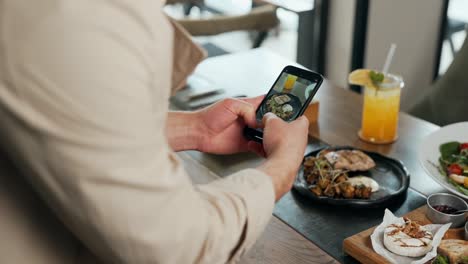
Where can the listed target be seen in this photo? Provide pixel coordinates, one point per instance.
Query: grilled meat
(352, 160)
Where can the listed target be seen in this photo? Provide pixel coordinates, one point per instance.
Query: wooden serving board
(359, 246)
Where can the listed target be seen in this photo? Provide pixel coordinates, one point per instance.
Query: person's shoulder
(28, 17)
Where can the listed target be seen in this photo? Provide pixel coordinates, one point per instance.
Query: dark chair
(453, 26)
(261, 19)
(446, 102)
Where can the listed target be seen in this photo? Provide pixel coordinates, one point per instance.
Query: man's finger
(303, 121)
(242, 109)
(255, 101)
(268, 117)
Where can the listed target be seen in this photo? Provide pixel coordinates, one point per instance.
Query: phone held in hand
(288, 98)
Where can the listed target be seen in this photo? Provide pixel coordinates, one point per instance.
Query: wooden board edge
(358, 251)
(353, 250)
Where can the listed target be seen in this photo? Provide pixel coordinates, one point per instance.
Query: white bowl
(429, 154)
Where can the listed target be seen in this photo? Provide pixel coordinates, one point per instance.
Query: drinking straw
(389, 58)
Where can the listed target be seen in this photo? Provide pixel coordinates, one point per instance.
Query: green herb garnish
(440, 260)
(376, 77)
(463, 260)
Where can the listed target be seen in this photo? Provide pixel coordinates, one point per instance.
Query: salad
(453, 163)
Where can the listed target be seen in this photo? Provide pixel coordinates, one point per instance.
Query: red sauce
(445, 209)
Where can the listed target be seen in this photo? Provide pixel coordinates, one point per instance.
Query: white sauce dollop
(287, 108)
(366, 181)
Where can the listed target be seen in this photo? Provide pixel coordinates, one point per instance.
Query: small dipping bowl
(453, 201)
(466, 231)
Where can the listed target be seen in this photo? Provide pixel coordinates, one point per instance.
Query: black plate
(391, 175)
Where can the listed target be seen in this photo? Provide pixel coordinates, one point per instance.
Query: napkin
(377, 238)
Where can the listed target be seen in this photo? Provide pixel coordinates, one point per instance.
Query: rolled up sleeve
(95, 109)
(249, 193)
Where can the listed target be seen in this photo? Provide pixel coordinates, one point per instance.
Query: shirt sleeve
(187, 55)
(95, 107)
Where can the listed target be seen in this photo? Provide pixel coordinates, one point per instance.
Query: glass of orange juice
(289, 83)
(380, 110)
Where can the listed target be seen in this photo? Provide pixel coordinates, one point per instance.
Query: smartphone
(288, 98)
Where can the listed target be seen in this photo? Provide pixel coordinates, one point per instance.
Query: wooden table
(252, 73)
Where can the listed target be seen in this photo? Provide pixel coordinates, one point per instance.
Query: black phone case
(253, 134)
(257, 134)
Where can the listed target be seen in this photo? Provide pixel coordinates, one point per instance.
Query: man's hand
(221, 125)
(284, 145)
(218, 129)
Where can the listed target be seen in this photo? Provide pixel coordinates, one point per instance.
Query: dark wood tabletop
(252, 73)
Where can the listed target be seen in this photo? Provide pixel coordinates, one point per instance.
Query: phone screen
(287, 97)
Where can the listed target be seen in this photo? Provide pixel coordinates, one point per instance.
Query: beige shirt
(84, 88)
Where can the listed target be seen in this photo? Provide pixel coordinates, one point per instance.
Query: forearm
(183, 130)
(280, 174)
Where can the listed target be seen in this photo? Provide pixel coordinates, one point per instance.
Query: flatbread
(403, 244)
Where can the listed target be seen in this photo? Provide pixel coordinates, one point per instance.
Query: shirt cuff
(258, 194)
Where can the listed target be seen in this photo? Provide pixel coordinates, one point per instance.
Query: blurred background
(334, 37)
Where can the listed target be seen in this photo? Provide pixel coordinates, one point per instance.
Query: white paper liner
(377, 238)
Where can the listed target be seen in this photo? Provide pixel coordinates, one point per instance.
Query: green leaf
(459, 187)
(463, 260)
(464, 152)
(376, 77)
(462, 189)
(442, 165)
(449, 149)
(439, 259)
(452, 182)
(460, 160)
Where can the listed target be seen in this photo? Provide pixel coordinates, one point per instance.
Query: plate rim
(361, 203)
(424, 162)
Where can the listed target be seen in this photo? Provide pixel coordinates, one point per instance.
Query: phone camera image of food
(287, 97)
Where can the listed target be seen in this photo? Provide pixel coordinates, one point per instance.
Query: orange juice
(290, 81)
(380, 111)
